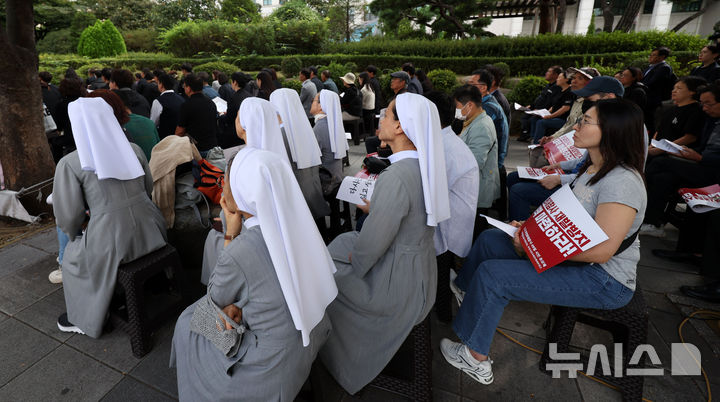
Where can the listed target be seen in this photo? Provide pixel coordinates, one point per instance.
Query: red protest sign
(559, 229)
(702, 199)
(562, 149)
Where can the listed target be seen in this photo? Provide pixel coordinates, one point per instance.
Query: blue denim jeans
(493, 274)
(63, 240)
(522, 194)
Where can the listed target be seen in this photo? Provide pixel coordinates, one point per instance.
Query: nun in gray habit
(110, 177)
(256, 124)
(302, 148)
(387, 274)
(275, 277)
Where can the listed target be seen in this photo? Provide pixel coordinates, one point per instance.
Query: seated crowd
(285, 292)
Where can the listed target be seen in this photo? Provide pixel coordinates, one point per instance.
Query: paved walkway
(39, 363)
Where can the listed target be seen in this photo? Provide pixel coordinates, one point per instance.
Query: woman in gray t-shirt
(610, 187)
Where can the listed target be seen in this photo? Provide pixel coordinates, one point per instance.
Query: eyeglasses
(581, 122)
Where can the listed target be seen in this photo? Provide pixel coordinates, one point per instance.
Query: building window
(648, 7)
(687, 7)
(267, 2)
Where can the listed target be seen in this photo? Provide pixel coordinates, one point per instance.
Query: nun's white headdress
(265, 187)
(101, 143)
(304, 148)
(259, 119)
(420, 121)
(330, 104)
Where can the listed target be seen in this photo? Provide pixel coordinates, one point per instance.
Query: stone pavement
(39, 363)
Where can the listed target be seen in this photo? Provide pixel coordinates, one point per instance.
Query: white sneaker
(648, 229)
(65, 326)
(55, 276)
(459, 294)
(458, 355)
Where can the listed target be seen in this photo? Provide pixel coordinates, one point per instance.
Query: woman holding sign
(610, 188)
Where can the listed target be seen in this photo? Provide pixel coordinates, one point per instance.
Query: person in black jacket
(165, 112)
(350, 98)
(228, 137)
(543, 101)
(710, 70)
(375, 84)
(635, 90)
(659, 80)
(50, 93)
(122, 80)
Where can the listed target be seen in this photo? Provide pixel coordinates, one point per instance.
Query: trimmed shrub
(299, 36)
(101, 39)
(527, 90)
(291, 66)
(141, 40)
(540, 45)
(226, 68)
(443, 80)
(191, 38)
(59, 41)
(293, 84)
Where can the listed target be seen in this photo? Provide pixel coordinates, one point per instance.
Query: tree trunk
(24, 151)
(545, 18)
(561, 11)
(692, 17)
(608, 16)
(628, 18)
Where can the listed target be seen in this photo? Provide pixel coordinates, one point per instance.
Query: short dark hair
(45, 76)
(313, 70)
(98, 73)
(409, 68)
(266, 82)
(193, 82)
(147, 74)
(557, 69)
(713, 88)
(662, 51)
(635, 72)
(305, 72)
(713, 49)
(187, 67)
(485, 77)
(167, 81)
(371, 69)
(496, 73)
(71, 87)
(326, 73)
(468, 93)
(205, 77)
(138, 75)
(693, 84)
(106, 73)
(445, 106)
(122, 78)
(158, 72)
(241, 78)
(222, 78)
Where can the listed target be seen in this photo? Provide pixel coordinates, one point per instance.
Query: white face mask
(459, 115)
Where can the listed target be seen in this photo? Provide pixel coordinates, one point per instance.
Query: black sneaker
(65, 326)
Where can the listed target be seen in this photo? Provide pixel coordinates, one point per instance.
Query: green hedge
(189, 38)
(540, 45)
(221, 66)
(520, 66)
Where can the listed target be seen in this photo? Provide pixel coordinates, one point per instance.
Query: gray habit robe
(124, 226)
(390, 284)
(327, 156)
(309, 181)
(271, 364)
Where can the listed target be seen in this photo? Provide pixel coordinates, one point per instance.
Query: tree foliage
(101, 39)
(125, 14)
(167, 13)
(295, 10)
(245, 11)
(455, 18)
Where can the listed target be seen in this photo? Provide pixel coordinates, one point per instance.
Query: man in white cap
(387, 273)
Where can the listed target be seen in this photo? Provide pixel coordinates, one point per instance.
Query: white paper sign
(520, 107)
(509, 229)
(355, 190)
(348, 136)
(221, 104)
(667, 146)
(539, 112)
(525, 172)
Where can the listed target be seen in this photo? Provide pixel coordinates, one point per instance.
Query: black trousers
(665, 175)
